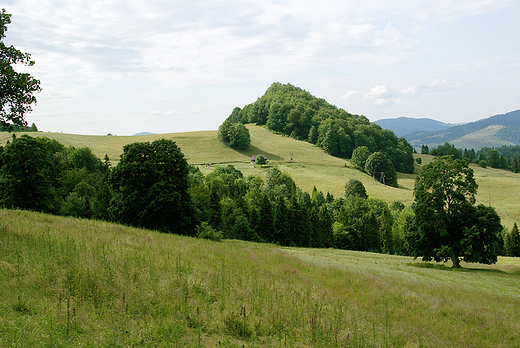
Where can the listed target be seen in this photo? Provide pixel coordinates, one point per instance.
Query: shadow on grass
(253, 150)
(431, 265)
(503, 270)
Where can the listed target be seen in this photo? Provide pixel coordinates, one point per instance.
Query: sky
(163, 66)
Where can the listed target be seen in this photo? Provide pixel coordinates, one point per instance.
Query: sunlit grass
(67, 282)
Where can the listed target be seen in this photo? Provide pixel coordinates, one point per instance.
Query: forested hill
(509, 133)
(292, 111)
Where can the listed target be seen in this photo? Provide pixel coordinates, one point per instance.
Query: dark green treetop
(355, 187)
(150, 188)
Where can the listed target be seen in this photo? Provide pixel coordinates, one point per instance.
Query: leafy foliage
(380, 167)
(150, 188)
(360, 156)
(235, 135)
(449, 227)
(27, 180)
(355, 187)
(16, 89)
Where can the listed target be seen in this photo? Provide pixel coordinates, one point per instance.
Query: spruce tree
(515, 241)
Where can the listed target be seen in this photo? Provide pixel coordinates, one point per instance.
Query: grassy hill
(80, 283)
(310, 167)
(485, 137)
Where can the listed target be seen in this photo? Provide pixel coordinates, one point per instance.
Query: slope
(66, 282)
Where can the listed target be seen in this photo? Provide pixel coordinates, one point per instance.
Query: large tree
(16, 88)
(380, 167)
(449, 226)
(28, 175)
(150, 188)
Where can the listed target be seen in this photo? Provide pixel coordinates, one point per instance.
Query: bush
(355, 188)
(360, 156)
(205, 231)
(418, 160)
(260, 159)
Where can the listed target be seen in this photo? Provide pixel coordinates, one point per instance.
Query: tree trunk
(456, 262)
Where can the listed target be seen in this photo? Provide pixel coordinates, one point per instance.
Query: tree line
(504, 157)
(292, 111)
(154, 187)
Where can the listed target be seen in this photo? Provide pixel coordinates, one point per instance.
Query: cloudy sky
(164, 66)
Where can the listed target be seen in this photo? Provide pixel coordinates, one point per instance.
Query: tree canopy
(16, 88)
(236, 135)
(449, 226)
(150, 188)
(294, 112)
(379, 166)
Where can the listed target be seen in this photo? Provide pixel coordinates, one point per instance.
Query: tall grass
(80, 283)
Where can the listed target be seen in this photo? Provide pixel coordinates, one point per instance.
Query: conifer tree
(515, 241)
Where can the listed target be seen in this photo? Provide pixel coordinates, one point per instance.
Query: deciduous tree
(16, 88)
(449, 227)
(149, 186)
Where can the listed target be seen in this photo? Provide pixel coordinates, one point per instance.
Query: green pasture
(66, 282)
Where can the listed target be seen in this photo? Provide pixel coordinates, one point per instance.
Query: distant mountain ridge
(403, 126)
(508, 133)
(495, 131)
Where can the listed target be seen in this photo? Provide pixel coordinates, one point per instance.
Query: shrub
(260, 159)
(205, 231)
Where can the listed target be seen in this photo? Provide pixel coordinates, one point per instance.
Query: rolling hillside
(494, 131)
(310, 167)
(66, 282)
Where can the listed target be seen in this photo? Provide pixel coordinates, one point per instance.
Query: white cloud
(412, 90)
(388, 101)
(136, 56)
(379, 91)
(349, 94)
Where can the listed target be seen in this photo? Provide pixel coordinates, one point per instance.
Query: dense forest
(154, 187)
(504, 157)
(292, 111)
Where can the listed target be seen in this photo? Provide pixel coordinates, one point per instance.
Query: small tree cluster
(236, 135)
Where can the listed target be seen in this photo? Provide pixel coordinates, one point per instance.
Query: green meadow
(66, 282)
(310, 166)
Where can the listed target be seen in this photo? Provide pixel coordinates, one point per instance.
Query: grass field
(310, 167)
(80, 283)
